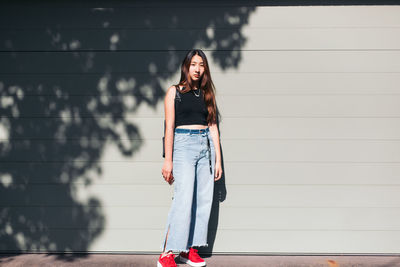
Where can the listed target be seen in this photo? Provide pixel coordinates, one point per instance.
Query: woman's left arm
(217, 148)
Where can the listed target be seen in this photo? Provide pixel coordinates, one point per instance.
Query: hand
(218, 171)
(167, 172)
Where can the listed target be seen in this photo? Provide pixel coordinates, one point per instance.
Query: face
(196, 68)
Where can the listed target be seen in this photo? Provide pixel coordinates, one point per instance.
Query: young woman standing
(192, 160)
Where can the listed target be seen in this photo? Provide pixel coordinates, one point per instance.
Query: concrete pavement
(133, 260)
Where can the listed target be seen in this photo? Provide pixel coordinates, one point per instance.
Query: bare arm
(215, 138)
(217, 148)
(169, 109)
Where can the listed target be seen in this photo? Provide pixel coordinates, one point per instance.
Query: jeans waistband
(192, 131)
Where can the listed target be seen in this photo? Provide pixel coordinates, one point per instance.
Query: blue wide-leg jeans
(193, 171)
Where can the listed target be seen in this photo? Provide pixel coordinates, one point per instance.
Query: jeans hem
(174, 250)
(201, 245)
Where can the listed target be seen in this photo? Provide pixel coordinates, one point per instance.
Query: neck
(196, 85)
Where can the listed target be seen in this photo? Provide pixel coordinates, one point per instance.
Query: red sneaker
(192, 258)
(167, 261)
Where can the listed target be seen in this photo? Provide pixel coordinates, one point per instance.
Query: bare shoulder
(171, 90)
(170, 94)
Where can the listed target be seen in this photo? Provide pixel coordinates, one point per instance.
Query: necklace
(195, 93)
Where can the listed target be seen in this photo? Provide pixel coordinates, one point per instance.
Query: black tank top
(190, 109)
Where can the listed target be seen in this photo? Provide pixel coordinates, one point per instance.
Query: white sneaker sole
(159, 264)
(187, 261)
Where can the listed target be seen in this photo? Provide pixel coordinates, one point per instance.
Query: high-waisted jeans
(193, 173)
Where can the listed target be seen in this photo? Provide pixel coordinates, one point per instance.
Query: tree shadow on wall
(68, 87)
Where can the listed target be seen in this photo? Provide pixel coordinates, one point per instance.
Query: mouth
(197, 76)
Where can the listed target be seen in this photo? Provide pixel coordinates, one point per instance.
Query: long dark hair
(206, 83)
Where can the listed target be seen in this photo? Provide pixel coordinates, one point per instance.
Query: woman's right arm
(169, 109)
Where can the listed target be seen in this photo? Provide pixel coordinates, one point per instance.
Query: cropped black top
(190, 108)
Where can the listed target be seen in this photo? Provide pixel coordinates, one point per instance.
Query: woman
(192, 160)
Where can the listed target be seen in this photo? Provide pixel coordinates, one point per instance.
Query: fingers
(168, 177)
(171, 179)
(218, 174)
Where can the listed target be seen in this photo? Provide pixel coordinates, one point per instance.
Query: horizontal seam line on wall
(132, 73)
(198, 28)
(225, 161)
(238, 95)
(232, 254)
(206, 50)
(231, 117)
(222, 139)
(222, 206)
(225, 229)
(157, 184)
